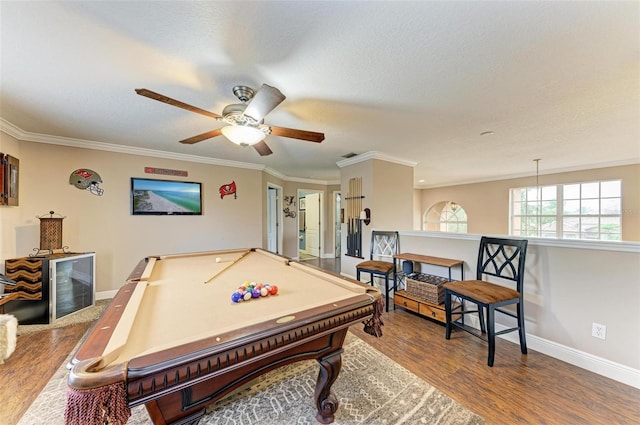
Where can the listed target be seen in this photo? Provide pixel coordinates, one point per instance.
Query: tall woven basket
(50, 232)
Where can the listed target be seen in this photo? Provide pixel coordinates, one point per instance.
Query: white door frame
(337, 231)
(304, 192)
(275, 220)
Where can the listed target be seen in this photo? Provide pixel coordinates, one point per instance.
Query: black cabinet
(50, 287)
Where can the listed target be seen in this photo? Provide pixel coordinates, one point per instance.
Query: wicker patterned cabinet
(423, 293)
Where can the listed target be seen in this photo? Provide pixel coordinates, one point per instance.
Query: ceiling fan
(245, 121)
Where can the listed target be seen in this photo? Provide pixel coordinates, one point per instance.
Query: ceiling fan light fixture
(243, 135)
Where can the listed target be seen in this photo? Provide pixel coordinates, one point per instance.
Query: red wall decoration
(228, 189)
(165, 172)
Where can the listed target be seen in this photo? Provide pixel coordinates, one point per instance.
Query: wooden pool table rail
(184, 379)
(177, 383)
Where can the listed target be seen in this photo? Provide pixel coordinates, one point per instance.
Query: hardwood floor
(531, 389)
(330, 264)
(37, 356)
(518, 389)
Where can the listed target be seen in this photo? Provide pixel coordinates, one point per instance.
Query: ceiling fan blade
(264, 101)
(201, 137)
(262, 148)
(161, 98)
(310, 136)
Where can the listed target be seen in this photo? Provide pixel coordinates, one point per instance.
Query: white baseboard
(612, 370)
(616, 371)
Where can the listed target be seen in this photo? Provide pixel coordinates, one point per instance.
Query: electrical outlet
(598, 331)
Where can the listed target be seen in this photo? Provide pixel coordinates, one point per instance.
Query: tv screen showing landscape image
(165, 197)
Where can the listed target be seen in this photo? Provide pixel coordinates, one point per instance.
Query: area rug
(86, 315)
(371, 388)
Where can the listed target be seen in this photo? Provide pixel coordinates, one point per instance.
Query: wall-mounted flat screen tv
(165, 197)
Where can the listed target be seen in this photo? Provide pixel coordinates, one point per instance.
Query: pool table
(173, 339)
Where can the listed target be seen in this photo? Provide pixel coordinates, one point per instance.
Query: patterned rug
(87, 315)
(371, 388)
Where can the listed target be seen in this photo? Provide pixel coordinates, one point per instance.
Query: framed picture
(165, 197)
(9, 180)
(302, 204)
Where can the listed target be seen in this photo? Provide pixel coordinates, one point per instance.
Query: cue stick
(355, 220)
(349, 214)
(354, 205)
(359, 208)
(359, 221)
(354, 236)
(360, 238)
(349, 241)
(354, 241)
(349, 237)
(359, 201)
(347, 218)
(350, 198)
(231, 263)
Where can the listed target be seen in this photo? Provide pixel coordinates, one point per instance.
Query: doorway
(274, 218)
(310, 224)
(337, 223)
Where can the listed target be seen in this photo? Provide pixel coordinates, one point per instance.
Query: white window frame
(539, 199)
(446, 217)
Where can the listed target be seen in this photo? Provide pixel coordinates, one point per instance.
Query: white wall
(569, 285)
(487, 203)
(388, 193)
(362, 170)
(105, 225)
(8, 215)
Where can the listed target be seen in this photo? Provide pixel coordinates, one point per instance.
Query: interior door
(312, 220)
(272, 219)
(337, 223)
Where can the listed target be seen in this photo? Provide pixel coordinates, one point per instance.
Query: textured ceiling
(414, 81)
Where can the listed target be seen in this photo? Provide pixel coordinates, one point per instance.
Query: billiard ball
(218, 259)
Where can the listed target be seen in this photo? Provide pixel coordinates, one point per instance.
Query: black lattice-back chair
(384, 245)
(501, 260)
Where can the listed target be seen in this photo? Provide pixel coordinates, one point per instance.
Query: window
(590, 210)
(446, 217)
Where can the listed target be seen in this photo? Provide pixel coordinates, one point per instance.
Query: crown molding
(374, 155)
(281, 176)
(26, 136)
(10, 129)
(18, 133)
(621, 163)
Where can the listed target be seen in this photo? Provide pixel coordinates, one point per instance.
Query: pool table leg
(326, 402)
